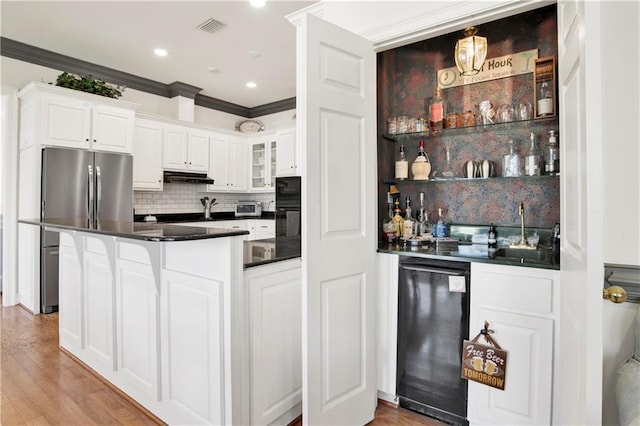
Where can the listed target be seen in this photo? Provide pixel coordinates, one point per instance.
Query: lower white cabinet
(275, 338)
(98, 289)
(193, 357)
(137, 307)
(262, 228)
(70, 295)
(518, 303)
(387, 326)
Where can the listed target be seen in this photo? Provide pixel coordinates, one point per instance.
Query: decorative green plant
(87, 83)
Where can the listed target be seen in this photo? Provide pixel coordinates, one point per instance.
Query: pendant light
(470, 52)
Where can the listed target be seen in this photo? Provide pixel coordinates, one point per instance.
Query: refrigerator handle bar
(99, 190)
(432, 269)
(90, 193)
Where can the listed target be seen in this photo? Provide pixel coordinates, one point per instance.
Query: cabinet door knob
(86, 140)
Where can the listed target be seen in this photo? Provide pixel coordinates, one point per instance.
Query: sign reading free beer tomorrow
(493, 69)
(483, 363)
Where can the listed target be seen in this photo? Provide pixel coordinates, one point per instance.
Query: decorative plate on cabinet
(249, 126)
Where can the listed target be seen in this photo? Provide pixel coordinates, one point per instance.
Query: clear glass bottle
(532, 159)
(421, 166)
(552, 157)
(388, 227)
(436, 112)
(545, 99)
(402, 165)
(422, 218)
(409, 223)
(511, 162)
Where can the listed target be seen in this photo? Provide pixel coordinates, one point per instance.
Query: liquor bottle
(421, 166)
(552, 160)
(409, 223)
(402, 165)
(440, 228)
(532, 159)
(422, 218)
(398, 221)
(555, 243)
(511, 163)
(388, 227)
(492, 240)
(545, 100)
(436, 112)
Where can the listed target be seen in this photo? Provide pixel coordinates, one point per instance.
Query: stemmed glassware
(447, 172)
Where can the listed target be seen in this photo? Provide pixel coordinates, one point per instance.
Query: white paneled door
(336, 119)
(578, 383)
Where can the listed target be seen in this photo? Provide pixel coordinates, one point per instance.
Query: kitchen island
(158, 310)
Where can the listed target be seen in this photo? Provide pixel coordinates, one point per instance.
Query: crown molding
(272, 108)
(35, 55)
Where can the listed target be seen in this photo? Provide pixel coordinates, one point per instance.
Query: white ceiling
(123, 34)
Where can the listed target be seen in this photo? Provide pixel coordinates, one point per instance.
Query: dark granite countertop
(270, 250)
(138, 230)
(465, 253)
(199, 217)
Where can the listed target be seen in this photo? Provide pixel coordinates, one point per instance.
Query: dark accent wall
(35, 55)
(407, 81)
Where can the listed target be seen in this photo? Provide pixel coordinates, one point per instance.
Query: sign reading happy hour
(484, 364)
(493, 69)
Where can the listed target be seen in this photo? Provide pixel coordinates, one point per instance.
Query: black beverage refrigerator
(288, 206)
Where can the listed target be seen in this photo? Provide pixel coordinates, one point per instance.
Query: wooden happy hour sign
(483, 363)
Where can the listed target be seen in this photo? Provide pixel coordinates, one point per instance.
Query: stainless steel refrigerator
(79, 184)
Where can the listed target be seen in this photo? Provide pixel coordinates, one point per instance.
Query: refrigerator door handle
(99, 190)
(434, 270)
(90, 193)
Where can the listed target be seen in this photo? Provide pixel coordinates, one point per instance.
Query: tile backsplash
(185, 198)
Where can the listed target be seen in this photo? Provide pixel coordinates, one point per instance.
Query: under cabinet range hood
(186, 177)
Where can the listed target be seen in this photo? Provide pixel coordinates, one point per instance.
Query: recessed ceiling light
(257, 3)
(251, 84)
(160, 52)
(213, 69)
(254, 53)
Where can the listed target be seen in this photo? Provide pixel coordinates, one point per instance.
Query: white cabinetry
(53, 116)
(70, 296)
(137, 307)
(161, 321)
(387, 314)
(263, 165)
(228, 165)
(186, 149)
(98, 306)
(287, 160)
(518, 303)
(262, 228)
(147, 155)
(276, 342)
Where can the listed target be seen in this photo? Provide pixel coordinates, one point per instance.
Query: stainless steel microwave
(248, 209)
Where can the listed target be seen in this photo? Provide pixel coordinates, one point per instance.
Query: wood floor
(41, 385)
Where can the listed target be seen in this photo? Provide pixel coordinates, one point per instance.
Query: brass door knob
(615, 294)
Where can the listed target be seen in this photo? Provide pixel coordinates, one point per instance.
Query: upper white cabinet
(147, 155)
(186, 149)
(263, 164)
(518, 303)
(286, 153)
(53, 116)
(227, 164)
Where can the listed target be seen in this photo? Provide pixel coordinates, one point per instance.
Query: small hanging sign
(484, 364)
(493, 69)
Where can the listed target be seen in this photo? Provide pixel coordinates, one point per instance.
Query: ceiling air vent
(210, 25)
